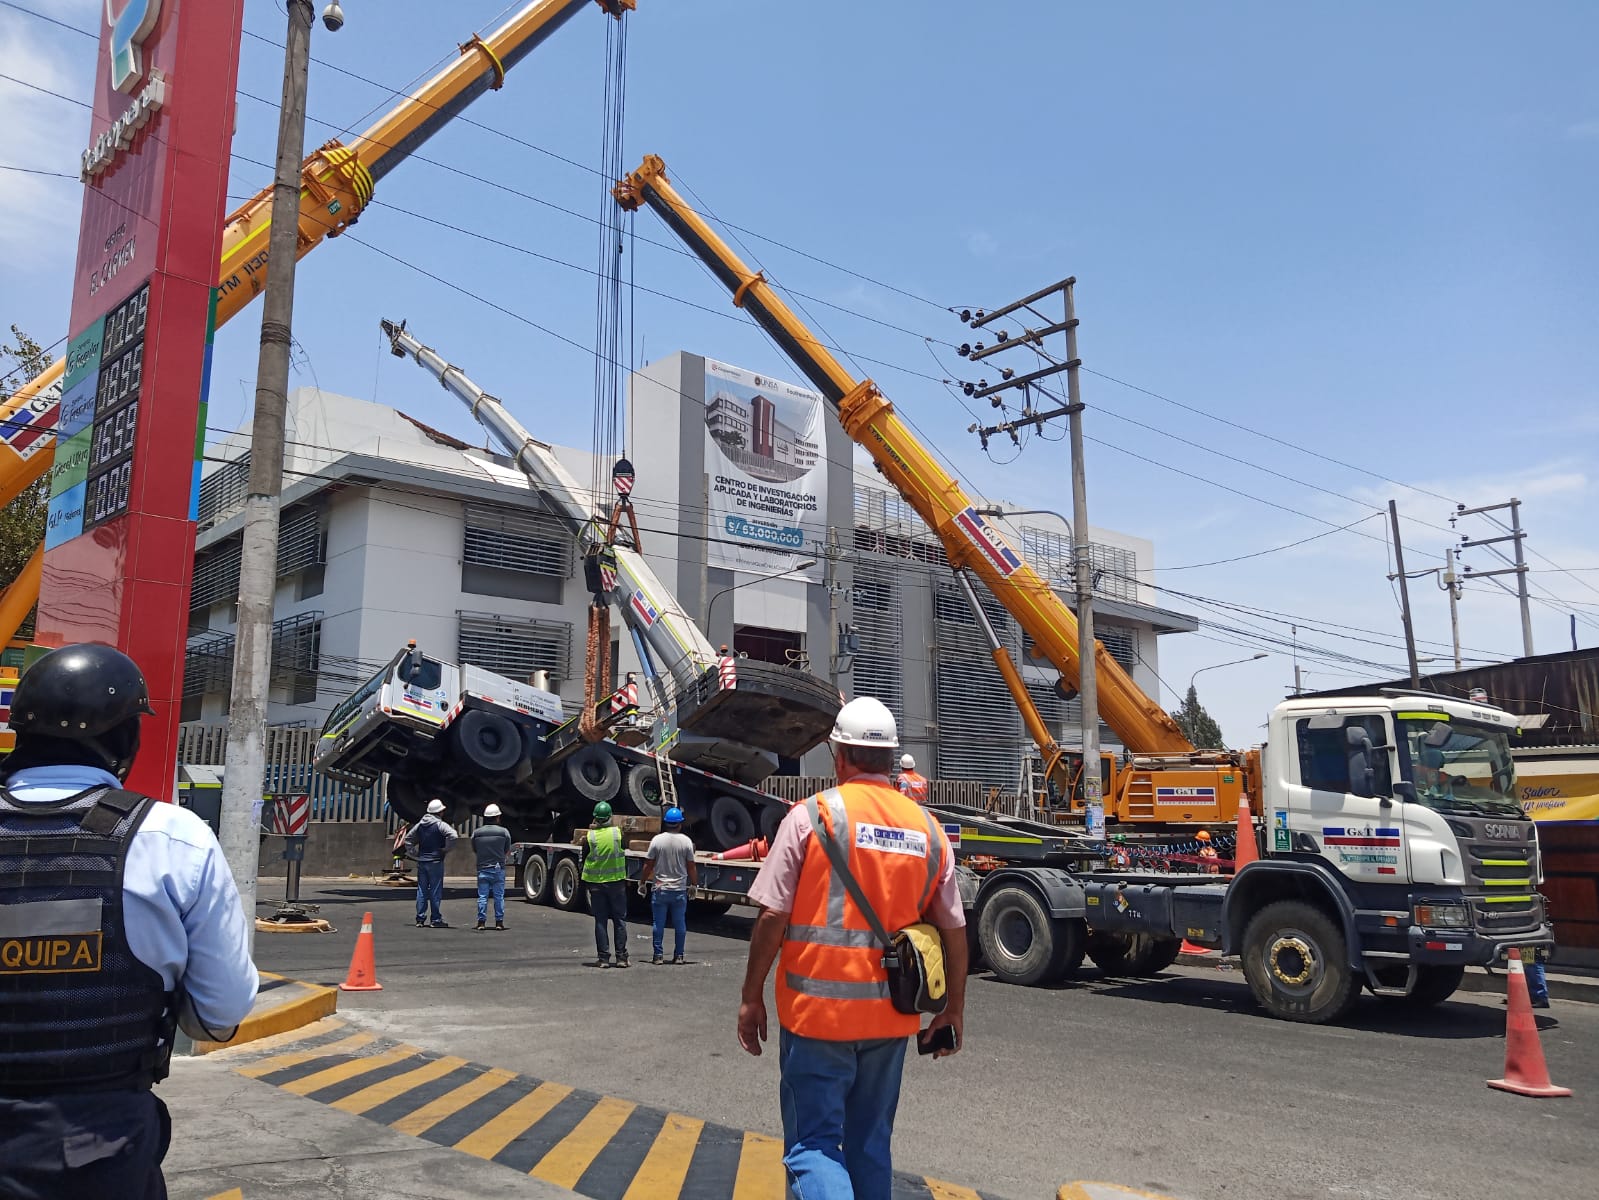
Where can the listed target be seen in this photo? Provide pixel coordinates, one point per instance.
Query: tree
(1198, 726)
(21, 521)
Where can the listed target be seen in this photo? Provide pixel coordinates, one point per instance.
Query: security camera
(333, 17)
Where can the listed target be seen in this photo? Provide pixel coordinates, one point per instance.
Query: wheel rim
(1294, 961)
(565, 883)
(1014, 933)
(651, 788)
(535, 877)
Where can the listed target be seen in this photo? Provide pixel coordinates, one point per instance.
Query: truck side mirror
(407, 669)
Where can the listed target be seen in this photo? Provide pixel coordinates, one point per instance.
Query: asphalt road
(1175, 1085)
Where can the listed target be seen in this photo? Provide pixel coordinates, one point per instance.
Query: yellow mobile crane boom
(337, 181)
(1191, 785)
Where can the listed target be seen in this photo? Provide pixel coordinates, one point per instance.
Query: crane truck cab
(421, 715)
(1397, 854)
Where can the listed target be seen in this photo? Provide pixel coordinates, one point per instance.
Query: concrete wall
(340, 848)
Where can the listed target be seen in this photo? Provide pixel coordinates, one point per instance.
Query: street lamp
(802, 565)
(994, 510)
(1218, 666)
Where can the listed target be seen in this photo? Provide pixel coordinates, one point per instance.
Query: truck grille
(1500, 874)
(1499, 915)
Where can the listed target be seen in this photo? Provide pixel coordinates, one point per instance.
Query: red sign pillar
(119, 540)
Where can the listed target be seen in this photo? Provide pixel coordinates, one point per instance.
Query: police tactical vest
(604, 862)
(78, 1012)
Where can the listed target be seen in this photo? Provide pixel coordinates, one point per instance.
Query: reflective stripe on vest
(604, 862)
(82, 1014)
(832, 984)
(914, 786)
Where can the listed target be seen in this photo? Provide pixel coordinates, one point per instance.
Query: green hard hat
(1119, 838)
(602, 812)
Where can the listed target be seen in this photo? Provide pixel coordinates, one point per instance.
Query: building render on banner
(392, 530)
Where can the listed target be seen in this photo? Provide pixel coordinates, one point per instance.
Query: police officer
(119, 922)
(843, 1042)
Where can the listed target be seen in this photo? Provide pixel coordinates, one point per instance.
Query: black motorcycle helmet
(79, 705)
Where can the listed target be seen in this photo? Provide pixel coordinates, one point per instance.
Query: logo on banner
(129, 28)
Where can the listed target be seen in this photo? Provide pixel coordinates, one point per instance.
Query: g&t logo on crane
(129, 28)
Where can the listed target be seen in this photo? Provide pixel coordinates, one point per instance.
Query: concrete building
(392, 530)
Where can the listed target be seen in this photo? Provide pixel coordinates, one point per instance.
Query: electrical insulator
(1002, 336)
(1006, 372)
(966, 315)
(964, 349)
(967, 388)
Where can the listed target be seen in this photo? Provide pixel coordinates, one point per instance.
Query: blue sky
(1364, 230)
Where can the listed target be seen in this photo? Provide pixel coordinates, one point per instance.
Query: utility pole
(1404, 598)
(1451, 584)
(258, 559)
(1299, 685)
(1518, 565)
(1082, 547)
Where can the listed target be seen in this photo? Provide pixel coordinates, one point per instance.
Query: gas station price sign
(99, 417)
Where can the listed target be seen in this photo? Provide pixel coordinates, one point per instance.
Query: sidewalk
(232, 1132)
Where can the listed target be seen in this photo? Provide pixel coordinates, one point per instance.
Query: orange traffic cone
(1526, 1074)
(363, 976)
(755, 849)
(1245, 852)
(1188, 947)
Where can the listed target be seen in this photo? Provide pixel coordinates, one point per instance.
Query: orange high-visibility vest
(830, 979)
(913, 785)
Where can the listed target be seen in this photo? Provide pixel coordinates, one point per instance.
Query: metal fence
(972, 793)
(288, 769)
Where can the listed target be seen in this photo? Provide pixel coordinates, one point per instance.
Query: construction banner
(765, 444)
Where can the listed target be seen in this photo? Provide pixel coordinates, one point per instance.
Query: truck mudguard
(1264, 879)
(1062, 895)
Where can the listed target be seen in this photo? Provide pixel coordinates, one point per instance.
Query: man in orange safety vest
(909, 782)
(842, 1044)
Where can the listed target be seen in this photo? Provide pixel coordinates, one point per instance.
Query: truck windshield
(426, 674)
(1459, 765)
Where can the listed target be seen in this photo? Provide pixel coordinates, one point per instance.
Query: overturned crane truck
(1397, 853)
(469, 736)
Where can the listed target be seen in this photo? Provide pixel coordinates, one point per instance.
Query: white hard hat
(907, 763)
(865, 722)
(492, 810)
(435, 807)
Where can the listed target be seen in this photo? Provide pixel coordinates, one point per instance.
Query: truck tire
(1434, 985)
(536, 879)
(1161, 954)
(729, 824)
(566, 884)
(644, 789)
(1020, 943)
(1297, 964)
(593, 773)
(489, 741)
(771, 817)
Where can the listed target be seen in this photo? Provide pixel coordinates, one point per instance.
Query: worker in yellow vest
(909, 782)
(842, 1044)
(605, 874)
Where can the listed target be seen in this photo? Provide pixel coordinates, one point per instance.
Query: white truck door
(1335, 808)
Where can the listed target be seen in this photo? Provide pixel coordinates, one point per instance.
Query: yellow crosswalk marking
(349, 1070)
(760, 1169)
(570, 1157)
(452, 1102)
(289, 1037)
(950, 1191)
(493, 1136)
(277, 1063)
(378, 1093)
(666, 1165)
(230, 1194)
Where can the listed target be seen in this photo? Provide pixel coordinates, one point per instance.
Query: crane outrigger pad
(792, 710)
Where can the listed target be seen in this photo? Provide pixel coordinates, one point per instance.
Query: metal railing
(289, 753)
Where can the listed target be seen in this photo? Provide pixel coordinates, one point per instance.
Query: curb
(281, 1005)
(1581, 988)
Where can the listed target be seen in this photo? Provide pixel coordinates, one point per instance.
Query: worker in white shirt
(119, 923)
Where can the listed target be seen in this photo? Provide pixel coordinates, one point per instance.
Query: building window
(295, 664)
(513, 554)
(980, 730)
(302, 552)
(516, 646)
(222, 491)
(1051, 554)
(879, 663)
(1121, 641)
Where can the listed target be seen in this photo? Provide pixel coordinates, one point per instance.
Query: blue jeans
(491, 882)
(838, 1101)
(670, 906)
(1537, 984)
(429, 890)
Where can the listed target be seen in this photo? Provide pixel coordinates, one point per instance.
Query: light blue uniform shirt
(181, 908)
